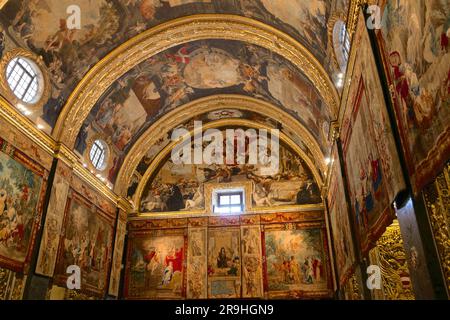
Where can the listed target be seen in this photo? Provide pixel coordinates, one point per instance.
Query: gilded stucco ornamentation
(389, 254)
(355, 289)
(353, 16)
(44, 85)
(437, 200)
(57, 150)
(217, 124)
(204, 105)
(19, 286)
(4, 280)
(178, 31)
(77, 295)
(11, 285)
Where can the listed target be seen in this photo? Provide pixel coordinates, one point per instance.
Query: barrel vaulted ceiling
(134, 62)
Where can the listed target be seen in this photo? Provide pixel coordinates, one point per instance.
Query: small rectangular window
(229, 202)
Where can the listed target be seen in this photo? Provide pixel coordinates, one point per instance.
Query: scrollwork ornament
(389, 254)
(437, 201)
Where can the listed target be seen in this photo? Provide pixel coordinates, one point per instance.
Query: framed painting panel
(416, 60)
(340, 222)
(86, 242)
(22, 190)
(224, 262)
(296, 261)
(156, 265)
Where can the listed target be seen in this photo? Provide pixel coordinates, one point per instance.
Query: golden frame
(175, 32)
(178, 116)
(45, 80)
(217, 124)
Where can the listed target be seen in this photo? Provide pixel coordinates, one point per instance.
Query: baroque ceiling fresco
(195, 70)
(206, 118)
(69, 54)
(211, 117)
(180, 187)
(178, 75)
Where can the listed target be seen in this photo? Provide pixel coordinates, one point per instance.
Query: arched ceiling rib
(224, 123)
(178, 32)
(286, 60)
(40, 26)
(194, 70)
(176, 118)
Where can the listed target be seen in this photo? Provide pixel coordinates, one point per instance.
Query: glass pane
(224, 200)
(22, 79)
(97, 154)
(235, 209)
(222, 209)
(235, 199)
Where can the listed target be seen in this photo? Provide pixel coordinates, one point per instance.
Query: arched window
(23, 79)
(341, 41)
(98, 154)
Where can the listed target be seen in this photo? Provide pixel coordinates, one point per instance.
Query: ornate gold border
(389, 254)
(57, 150)
(353, 15)
(175, 32)
(2, 3)
(437, 201)
(162, 156)
(181, 114)
(46, 90)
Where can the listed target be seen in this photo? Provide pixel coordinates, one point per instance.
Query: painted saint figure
(222, 260)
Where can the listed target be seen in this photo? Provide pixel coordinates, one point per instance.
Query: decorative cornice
(26, 126)
(353, 16)
(195, 214)
(162, 156)
(57, 150)
(176, 32)
(181, 114)
(335, 131)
